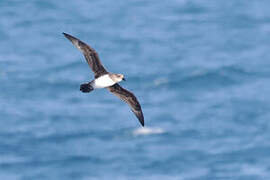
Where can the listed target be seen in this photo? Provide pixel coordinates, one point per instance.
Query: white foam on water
(160, 81)
(147, 131)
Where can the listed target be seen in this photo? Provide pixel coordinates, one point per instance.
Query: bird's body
(104, 79)
(102, 82)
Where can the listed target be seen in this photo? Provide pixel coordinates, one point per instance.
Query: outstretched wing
(129, 98)
(90, 55)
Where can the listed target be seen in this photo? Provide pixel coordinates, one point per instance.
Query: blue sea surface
(200, 69)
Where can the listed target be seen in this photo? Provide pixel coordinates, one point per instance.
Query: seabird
(105, 79)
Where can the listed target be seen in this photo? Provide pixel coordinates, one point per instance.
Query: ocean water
(200, 69)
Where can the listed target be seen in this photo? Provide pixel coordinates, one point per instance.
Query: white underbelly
(103, 81)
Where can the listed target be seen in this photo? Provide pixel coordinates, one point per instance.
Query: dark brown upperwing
(130, 99)
(90, 55)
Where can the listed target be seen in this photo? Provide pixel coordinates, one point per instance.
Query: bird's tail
(86, 88)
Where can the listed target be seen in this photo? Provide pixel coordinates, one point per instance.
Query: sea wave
(148, 131)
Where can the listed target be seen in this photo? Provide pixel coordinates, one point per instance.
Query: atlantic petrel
(105, 79)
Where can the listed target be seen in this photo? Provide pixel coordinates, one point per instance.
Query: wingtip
(74, 40)
(68, 36)
(140, 116)
(142, 122)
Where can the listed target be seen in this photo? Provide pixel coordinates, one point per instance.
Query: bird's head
(118, 77)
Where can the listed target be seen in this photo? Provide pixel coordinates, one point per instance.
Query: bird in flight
(105, 79)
